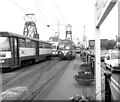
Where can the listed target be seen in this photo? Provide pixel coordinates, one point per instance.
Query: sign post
(102, 9)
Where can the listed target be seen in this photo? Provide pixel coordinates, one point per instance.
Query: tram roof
(67, 41)
(20, 36)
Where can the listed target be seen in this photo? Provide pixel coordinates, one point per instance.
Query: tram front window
(53, 39)
(4, 44)
(61, 47)
(67, 47)
(54, 47)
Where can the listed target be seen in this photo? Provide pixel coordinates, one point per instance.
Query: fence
(91, 60)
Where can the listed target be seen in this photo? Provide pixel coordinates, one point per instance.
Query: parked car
(112, 60)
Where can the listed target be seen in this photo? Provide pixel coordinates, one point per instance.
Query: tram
(66, 49)
(19, 50)
(54, 40)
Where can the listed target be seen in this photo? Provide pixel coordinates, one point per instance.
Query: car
(112, 60)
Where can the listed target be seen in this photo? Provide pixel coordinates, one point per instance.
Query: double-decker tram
(19, 50)
(66, 49)
(54, 40)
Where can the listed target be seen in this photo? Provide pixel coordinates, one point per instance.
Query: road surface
(48, 80)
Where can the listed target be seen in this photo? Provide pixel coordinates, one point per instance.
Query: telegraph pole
(84, 37)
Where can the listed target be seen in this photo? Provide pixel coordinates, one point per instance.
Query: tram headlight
(59, 52)
(69, 52)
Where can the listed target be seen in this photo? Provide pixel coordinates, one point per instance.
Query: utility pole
(84, 43)
(84, 38)
(68, 32)
(58, 31)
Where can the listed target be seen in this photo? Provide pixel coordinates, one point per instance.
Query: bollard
(107, 87)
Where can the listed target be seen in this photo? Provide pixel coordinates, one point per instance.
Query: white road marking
(114, 84)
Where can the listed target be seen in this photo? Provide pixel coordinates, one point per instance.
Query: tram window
(53, 39)
(4, 44)
(47, 45)
(22, 42)
(30, 43)
(41, 45)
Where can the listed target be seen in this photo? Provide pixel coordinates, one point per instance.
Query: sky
(78, 13)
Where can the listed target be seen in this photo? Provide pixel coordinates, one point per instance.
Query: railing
(108, 95)
(91, 60)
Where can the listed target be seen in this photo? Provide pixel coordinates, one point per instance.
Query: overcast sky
(75, 12)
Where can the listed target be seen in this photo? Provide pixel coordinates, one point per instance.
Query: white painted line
(115, 87)
(115, 82)
(103, 71)
(114, 97)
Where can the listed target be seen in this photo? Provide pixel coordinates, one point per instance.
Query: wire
(46, 9)
(59, 11)
(18, 6)
(40, 12)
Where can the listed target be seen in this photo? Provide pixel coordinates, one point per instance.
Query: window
(115, 55)
(4, 44)
(53, 39)
(41, 45)
(22, 42)
(53, 47)
(68, 47)
(61, 47)
(30, 43)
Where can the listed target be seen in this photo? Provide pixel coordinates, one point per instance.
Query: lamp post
(69, 31)
(58, 32)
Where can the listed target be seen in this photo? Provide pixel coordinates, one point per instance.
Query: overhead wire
(40, 11)
(23, 9)
(16, 4)
(46, 10)
(60, 11)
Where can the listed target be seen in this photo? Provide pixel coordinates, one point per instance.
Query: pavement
(67, 87)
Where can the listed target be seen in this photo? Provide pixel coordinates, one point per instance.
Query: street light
(55, 25)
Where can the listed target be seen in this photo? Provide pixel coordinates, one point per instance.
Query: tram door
(15, 51)
(37, 51)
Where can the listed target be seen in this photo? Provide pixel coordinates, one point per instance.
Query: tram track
(34, 94)
(36, 77)
(20, 75)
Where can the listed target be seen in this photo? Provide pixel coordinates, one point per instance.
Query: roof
(21, 36)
